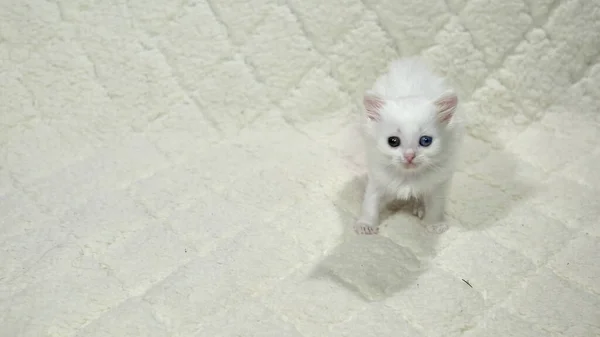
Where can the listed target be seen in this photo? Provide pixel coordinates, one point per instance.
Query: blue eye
(425, 141)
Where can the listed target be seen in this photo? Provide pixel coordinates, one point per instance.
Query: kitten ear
(446, 106)
(373, 105)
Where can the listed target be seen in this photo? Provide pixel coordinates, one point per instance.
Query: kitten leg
(435, 204)
(418, 209)
(368, 222)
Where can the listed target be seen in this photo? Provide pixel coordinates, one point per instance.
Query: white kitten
(412, 135)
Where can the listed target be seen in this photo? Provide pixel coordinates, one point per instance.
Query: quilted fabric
(190, 168)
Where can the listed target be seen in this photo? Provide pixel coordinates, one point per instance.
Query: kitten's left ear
(446, 106)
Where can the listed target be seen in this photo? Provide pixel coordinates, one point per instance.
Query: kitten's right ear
(373, 105)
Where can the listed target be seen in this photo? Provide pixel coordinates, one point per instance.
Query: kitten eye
(394, 141)
(425, 141)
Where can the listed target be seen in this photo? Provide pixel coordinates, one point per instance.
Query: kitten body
(411, 136)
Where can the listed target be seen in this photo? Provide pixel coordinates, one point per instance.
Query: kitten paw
(437, 228)
(362, 228)
(418, 209)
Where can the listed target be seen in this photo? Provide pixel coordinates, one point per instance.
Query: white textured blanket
(188, 168)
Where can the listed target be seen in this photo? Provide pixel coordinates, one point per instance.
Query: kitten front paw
(437, 228)
(418, 209)
(362, 228)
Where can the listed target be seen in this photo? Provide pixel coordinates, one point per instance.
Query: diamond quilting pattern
(192, 167)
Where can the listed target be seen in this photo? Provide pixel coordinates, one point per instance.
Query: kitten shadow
(377, 266)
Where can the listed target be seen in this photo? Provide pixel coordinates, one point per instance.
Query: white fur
(405, 106)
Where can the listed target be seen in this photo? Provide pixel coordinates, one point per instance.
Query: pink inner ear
(446, 105)
(373, 105)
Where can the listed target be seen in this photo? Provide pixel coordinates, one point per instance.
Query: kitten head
(411, 133)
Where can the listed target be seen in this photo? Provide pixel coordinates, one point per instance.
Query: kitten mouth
(410, 165)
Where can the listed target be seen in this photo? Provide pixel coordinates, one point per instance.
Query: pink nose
(409, 157)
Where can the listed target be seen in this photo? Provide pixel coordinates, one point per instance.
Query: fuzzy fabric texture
(190, 168)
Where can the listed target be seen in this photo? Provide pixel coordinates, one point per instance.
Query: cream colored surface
(188, 168)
